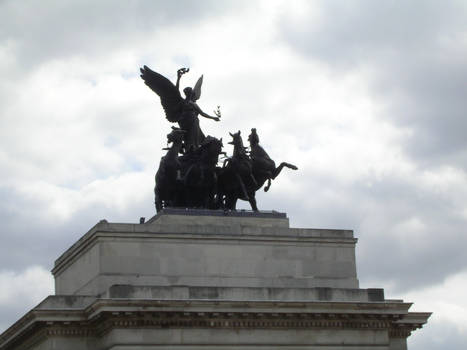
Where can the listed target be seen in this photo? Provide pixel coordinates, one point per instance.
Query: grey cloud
(416, 67)
(414, 70)
(48, 30)
(34, 238)
(28, 238)
(11, 314)
(448, 336)
(362, 31)
(417, 72)
(429, 96)
(403, 255)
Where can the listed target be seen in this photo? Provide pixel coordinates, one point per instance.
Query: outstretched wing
(197, 89)
(171, 99)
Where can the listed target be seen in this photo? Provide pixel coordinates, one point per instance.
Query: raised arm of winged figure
(180, 72)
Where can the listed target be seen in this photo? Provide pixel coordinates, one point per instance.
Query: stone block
(211, 251)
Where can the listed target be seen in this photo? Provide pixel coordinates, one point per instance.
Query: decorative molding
(73, 329)
(401, 332)
(103, 315)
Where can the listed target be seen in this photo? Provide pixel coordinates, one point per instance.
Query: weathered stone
(188, 280)
(221, 251)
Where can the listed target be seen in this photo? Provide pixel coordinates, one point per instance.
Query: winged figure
(183, 111)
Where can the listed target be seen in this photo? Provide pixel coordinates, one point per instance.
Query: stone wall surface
(218, 251)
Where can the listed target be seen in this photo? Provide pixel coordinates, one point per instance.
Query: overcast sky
(367, 98)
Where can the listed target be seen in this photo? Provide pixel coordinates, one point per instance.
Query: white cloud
(446, 300)
(371, 113)
(448, 323)
(29, 285)
(20, 291)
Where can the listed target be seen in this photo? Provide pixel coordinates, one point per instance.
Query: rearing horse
(236, 178)
(264, 168)
(244, 174)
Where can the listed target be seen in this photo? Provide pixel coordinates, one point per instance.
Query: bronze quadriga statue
(189, 175)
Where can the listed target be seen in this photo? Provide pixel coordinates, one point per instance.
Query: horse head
(210, 149)
(237, 142)
(236, 139)
(176, 135)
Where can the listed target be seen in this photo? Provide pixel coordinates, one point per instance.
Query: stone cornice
(252, 306)
(104, 315)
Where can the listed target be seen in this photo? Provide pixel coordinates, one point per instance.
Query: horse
(199, 174)
(264, 168)
(167, 187)
(245, 174)
(236, 179)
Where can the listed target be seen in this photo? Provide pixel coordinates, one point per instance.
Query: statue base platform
(200, 279)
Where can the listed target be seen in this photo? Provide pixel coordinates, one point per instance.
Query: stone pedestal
(191, 279)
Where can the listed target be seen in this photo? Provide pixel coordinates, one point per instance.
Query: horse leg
(230, 202)
(268, 185)
(209, 199)
(233, 205)
(187, 173)
(157, 200)
(214, 191)
(226, 202)
(219, 202)
(255, 183)
(201, 175)
(278, 170)
(242, 186)
(252, 201)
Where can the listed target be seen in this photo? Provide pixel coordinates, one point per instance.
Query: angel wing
(197, 89)
(171, 100)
